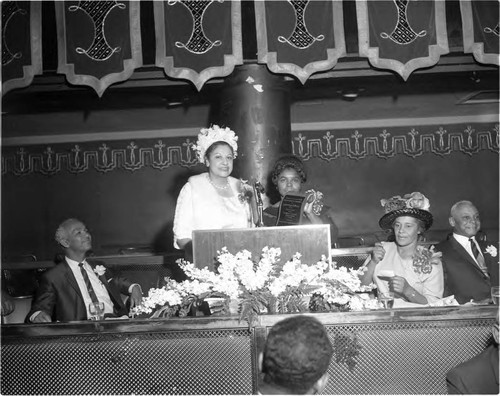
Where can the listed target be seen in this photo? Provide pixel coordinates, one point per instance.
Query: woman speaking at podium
(213, 199)
(288, 175)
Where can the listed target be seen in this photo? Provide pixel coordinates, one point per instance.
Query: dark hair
(288, 162)
(297, 354)
(214, 145)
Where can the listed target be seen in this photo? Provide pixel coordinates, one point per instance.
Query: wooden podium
(311, 241)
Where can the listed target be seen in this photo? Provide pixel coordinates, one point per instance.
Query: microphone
(258, 191)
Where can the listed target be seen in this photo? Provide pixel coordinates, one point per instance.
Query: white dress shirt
(100, 290)
(464, 241)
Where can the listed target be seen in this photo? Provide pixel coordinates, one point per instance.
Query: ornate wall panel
(480, 30)
(393, 141)
(99, 43)
(103, 157)
(21, 43)
(329, 145)
(402, 35)
(198, 40)
(299, 37)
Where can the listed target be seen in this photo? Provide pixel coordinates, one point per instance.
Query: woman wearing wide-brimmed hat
(413, 272)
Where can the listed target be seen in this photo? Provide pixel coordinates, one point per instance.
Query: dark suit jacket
(60, 296)
(478, 375)
(462, 276)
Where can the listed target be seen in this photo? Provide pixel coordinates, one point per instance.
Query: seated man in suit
(478, 375)
(470, 266)
(66, 290)
(296, 357)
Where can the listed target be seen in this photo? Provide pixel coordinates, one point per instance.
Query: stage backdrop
(125, 191)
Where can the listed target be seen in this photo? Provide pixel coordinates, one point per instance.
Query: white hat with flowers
(415, 205)
(209, 136)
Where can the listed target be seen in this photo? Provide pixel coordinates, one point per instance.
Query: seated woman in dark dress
(288, 176)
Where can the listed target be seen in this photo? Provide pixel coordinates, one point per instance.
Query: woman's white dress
(200, 207)
(429, 285)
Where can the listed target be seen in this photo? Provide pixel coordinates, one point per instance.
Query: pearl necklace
(224, 187)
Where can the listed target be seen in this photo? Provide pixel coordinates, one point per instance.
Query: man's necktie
(479, 257)
(88, 284)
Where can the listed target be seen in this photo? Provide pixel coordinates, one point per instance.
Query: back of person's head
(297, 355)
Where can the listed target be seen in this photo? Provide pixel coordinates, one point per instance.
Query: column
(256, 105)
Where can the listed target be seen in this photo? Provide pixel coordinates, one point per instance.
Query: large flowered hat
(209, 136)
(415, 205)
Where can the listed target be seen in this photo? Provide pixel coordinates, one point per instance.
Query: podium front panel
(311, 241)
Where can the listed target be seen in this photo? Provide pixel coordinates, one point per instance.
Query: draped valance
(99, 42)
(21, 43)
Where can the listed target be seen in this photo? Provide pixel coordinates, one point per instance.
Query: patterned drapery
(299, 37)
(402, 35)
(480, 30)
(198, 40)
(99, 42)
(21, 43)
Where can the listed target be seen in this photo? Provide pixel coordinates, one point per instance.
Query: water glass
(386, 299)
(495, 294)
(96, 311)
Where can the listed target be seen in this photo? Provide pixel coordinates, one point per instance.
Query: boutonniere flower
(100, 270)
(492, 250)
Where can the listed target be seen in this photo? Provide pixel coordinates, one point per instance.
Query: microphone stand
(258, 189)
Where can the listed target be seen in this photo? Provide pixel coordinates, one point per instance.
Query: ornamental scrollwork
(300, 37)
(198, 43)
(97, 11)
(403, 33)
(324, 145)
(9, 9)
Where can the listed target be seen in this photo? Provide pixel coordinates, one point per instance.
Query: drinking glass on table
(96, 310)
(495, 294)
(386, 299)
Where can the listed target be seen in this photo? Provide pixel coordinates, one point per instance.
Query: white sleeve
(434, 285)
(183, 219)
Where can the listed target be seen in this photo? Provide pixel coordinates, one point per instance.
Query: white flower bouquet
(266, 286)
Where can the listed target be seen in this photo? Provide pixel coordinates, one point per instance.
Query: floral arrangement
(245, 191)
(316, 197)
(100, 270)
(208, 136)
(492, 250)
(174, 299)
(267, 286)
(415, 200)
(424, 258)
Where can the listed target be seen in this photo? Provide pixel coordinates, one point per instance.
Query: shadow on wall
(164, 239)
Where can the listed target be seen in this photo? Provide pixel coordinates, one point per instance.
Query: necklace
(224, 187)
